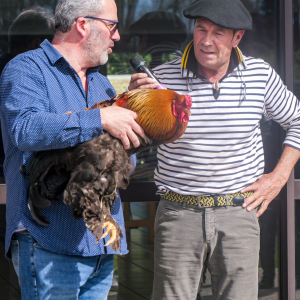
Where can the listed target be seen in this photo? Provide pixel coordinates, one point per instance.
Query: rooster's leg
(114, 230)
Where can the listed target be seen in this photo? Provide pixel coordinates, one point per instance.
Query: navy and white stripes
(221, 150)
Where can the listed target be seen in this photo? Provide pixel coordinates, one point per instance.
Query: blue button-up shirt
(37, 88)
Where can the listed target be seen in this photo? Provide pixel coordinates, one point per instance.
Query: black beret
(160, 22)
(230, 14)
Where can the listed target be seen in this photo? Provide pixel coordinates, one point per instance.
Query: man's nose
(116, 36)
(207, 39)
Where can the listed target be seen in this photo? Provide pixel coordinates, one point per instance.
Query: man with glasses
(215, 169)
(61, 261)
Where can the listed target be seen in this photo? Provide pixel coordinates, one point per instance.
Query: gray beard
(94, 54)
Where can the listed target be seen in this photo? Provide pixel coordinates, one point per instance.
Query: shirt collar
(189, 62)
(53, 55)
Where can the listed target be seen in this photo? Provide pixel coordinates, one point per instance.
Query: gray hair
(67, 11)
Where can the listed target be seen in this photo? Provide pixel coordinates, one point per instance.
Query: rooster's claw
(112, 230)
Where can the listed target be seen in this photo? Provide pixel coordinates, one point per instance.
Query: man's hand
(141, 81)
(269, 185)
(120, 123)
(265, 190)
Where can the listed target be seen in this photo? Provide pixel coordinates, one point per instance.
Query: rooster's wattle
(90, 173)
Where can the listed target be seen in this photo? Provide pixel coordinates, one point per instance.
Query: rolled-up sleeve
(282, 106)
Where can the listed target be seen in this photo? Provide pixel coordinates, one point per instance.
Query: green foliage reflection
(118, 63)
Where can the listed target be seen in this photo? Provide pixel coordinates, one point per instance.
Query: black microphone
(140, 66)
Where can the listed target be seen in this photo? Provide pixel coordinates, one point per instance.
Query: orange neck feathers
(154, 111)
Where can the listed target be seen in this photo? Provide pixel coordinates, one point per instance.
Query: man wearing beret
(211, 180)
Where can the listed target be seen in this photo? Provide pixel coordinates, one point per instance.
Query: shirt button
(92, 78)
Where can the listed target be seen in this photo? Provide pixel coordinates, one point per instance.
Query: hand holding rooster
(121, 124)
(90, 173)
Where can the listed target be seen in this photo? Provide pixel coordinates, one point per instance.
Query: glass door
(269, 40)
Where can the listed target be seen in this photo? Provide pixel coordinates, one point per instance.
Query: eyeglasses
(111, 27)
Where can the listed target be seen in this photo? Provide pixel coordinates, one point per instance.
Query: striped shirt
(221, 150)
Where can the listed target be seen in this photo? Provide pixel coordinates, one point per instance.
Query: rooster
(90, 173)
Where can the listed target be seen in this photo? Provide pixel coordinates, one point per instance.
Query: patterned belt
(208, 201)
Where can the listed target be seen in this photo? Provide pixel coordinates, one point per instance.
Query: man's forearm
(269, 185)
(288, 159)
(36, 131)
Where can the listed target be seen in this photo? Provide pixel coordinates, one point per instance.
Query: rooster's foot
(112, 230)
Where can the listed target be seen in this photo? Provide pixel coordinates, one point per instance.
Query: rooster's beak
(188, 112)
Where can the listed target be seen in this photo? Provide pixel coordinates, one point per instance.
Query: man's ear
(237, 37)
(82, 26)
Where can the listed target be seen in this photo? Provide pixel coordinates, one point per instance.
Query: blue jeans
(44, 275)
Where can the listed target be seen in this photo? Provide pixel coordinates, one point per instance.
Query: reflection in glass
(269, 221)
(159, 36)
(297, 230)
(296, 29)
(296, 6)
(297, 235)
(26, 32)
